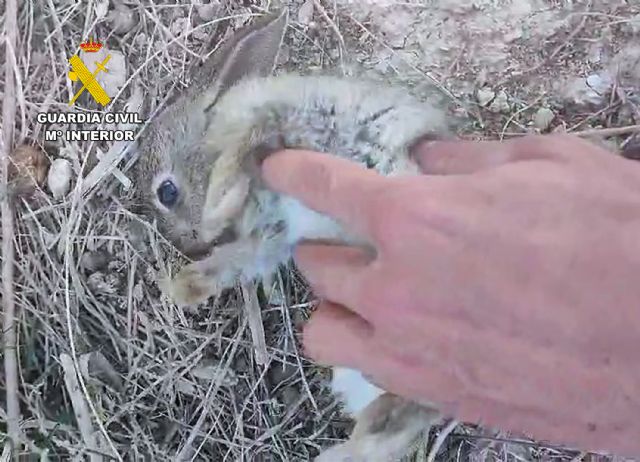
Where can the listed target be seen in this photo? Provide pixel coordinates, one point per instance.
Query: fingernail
(428, 143)
(423, 142)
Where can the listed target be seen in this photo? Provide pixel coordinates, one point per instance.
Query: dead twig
(254, 316)
(333, 26)
(608, 132)
(570, 38)
(440, 439)
(80, 408)
(594, 132)
(8, 250)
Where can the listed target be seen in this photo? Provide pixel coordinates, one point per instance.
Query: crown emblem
(90, 46)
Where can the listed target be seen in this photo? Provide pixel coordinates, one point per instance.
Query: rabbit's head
(172, 171)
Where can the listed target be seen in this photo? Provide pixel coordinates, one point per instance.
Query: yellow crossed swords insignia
(88, 79)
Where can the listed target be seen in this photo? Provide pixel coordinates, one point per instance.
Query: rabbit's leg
(385, 431)
(246, 258)
(202, 279)
(227, 195)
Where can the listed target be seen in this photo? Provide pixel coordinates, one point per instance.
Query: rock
(59, 178)
(599, 83)
(585, 91)
(500, 103)
(305, 13)
(485, 96)
(101, 8)
(116, 70)
(543, 118)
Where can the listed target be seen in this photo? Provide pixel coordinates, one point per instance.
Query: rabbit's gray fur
(208, 144)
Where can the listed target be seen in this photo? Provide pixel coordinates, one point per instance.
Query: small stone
(589, 91)
(485, 96)
(599, 83)
(500, 103)
(59, 178)
(305, 13)
(116, 69)
(101, 8)
(543, 118)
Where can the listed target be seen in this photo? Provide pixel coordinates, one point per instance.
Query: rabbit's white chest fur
(304, 223)
(356, 392)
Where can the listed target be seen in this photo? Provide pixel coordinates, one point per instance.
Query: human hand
(504, 289)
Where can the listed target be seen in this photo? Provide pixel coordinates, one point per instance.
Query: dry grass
(156, 381)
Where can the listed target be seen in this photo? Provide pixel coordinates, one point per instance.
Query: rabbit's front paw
(191, 286)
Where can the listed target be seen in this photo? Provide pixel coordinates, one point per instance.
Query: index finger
(327, 184)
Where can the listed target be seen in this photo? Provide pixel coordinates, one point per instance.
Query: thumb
(463, 157)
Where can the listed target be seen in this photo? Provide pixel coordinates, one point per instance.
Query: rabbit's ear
(251, 52)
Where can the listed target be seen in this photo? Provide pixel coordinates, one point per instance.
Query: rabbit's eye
(167, 193)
